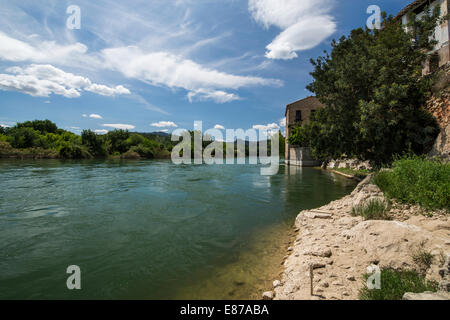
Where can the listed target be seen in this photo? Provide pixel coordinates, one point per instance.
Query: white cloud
(119, 126)
(39, 51)
(217, 96)
(43, 80)
(84, 115)
(305, 24)
(268, 127)
(220, 127)
(164, 124)
(4, 125)
(95, 116)
(283, 122)
(101, 131)
(107, 91)
(163, 68)
(164, 130)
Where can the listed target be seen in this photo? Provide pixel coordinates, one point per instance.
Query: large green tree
(374, 92)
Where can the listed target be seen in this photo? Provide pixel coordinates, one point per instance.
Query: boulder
(427, 296)
(268, 295)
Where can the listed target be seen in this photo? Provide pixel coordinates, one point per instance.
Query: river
(150, 229)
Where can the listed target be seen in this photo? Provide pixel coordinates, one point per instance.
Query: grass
(375, 209)
(356, 173)
(422, 258)
(395, 283)
(416, 180)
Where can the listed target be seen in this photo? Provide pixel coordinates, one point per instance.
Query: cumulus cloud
(283, 122)
(95, 116)
(43, 80)
(107, 91)
(220, 127)
(304, 24)
(101, 131)
(40, 51)
(4, 125)
(267, 127)
(163, 68)
(164, 124)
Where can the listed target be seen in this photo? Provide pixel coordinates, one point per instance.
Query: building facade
(298, 113)
(441, 52)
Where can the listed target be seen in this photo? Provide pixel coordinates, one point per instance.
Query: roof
(310, 99)
(410, 7)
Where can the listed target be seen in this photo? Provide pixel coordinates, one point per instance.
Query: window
(298, 116)
(312, 113)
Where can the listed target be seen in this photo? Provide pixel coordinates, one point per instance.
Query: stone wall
(301, 157)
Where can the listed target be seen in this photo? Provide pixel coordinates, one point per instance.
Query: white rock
(268, 295)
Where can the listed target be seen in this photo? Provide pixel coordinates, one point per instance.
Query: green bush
(416, 180)
(69, 150)
(422, 258)
(23, 137)
(375, 209)
(143, 151)
(395, 283)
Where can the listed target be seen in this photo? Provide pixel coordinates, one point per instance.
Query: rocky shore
(337, 248)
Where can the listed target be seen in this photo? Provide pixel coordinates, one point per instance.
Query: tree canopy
(374, 92)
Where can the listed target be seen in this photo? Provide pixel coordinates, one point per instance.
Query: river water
(150, 229)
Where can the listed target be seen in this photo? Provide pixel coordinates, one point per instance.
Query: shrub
(24, 137)
(375, 209)
(417, 180)
(69, 150)
(93, 142)
(395, 283)
(422, 258)
(143, 151)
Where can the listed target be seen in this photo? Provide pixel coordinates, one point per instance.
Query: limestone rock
(268, 295)
(427, 296)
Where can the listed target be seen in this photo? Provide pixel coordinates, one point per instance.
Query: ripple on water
(38, 211)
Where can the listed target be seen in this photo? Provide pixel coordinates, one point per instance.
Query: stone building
(440, 55)
(299, 113)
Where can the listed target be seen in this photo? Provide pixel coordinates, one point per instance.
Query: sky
(159, 65)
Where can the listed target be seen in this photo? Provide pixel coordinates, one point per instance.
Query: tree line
(43, 139)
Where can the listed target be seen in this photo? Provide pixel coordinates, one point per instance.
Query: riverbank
(340, 246)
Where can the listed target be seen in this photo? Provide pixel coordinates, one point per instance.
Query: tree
(373, 90)
(43, 126)
(93, 142)
(117, 141)
(23, 137)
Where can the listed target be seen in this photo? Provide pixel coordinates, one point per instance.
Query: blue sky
(157, 65)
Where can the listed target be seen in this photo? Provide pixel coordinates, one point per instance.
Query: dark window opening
(298, 116)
